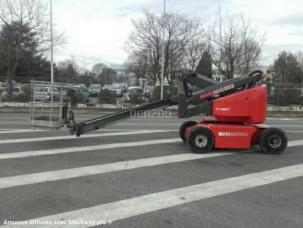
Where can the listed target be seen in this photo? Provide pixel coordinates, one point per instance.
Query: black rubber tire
(202, 132)
(183, 126)
(267, 145)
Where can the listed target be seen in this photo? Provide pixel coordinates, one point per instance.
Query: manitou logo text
(232, 134)
(217, 91)
(222, 109)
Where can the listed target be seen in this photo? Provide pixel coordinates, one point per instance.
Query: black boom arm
(94, 124)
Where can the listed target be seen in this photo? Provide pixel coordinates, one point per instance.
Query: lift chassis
(237, 108)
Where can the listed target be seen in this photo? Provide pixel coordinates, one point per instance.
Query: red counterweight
(248, 106)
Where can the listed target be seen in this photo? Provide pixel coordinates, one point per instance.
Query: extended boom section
(94, 124)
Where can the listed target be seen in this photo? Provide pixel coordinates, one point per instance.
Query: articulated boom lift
(237, 105)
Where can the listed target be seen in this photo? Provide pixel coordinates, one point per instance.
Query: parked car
(148, 91)
(82, 85)
(44, 93)
(16, 91)
(106, 87)
(116, 89)
(134, 92)
(3, 95)
(83, 92)
(123, 86)
(2, 85)
(94, 90)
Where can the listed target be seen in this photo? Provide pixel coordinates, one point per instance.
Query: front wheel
(201, 140)
(183, 128)
(273, 141)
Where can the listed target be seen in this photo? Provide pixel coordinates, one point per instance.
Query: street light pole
(51, 59)
(51, 42)
(163, 52)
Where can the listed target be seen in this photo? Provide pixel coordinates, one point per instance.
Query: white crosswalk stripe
(26, 130)
(35, 153)
(14, 131)
(295, 143)
(53, 138)
(127, 208)
(35, 178)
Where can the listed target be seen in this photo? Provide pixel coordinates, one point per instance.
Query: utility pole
(51, 42)
(163, 52)
(51, 59)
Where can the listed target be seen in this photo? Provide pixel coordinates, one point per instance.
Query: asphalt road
(137, 173)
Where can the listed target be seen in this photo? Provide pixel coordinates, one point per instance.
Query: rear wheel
(273, 141)
(201, 140)
(183, 127)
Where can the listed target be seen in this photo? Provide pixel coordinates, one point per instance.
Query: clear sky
(96, 30)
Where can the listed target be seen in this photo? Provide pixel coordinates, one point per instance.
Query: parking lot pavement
(138, 173)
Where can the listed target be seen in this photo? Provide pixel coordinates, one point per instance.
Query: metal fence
(284, 94)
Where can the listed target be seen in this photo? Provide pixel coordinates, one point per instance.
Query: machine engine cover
(247, 106)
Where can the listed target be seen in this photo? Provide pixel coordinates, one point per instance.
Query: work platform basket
(49, 105)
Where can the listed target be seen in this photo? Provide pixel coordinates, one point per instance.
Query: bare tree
(234, 45)
(183, 44)
(24, 32)
(251, 53)
(32, 14)
(194, 52)
(300, 59)
(138, 64)
(145, 43)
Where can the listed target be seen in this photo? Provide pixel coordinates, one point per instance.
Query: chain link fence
(285, 94)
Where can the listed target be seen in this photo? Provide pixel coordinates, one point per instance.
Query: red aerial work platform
(238, 107)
